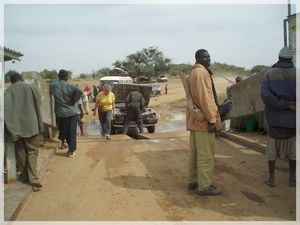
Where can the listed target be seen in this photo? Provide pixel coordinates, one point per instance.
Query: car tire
(151, 129)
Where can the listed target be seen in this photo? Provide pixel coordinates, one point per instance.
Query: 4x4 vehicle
(142, 79)
(155, 89)
(148, 115)
(162, 78)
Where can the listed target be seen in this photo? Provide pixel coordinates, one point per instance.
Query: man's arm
(271, 100)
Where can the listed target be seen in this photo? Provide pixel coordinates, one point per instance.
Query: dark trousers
(105, 121)
(67, 130)
(225, 107)
(133, 114)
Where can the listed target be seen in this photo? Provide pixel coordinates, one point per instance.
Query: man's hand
(211, 127)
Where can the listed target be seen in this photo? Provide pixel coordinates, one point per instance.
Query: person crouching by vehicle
(135, 103)
(105, 105)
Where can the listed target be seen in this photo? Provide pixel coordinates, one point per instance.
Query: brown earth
(141, 180)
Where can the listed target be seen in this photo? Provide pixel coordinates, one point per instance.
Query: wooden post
(10, 159)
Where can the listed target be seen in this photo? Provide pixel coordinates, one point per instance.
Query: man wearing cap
(278, 92)
(202, 132)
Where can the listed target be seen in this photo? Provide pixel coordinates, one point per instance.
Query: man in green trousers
(23, 124)
(202, 131)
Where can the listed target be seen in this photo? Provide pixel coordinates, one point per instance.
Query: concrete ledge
(261, 148)
(17, 193)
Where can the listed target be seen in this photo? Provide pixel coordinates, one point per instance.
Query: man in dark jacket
(135, 103)
(278, 92)
(65, 97)
(23, 124)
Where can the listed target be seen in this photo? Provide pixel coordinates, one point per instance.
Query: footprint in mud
(253, 197)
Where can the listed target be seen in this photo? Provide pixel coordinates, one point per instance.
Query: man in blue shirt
(278, 92)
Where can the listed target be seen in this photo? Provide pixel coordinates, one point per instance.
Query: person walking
(65, 108)
(105, 105)
(23, 125)
(81, 112)
(278, 92)
(202, 133)
(135, 103)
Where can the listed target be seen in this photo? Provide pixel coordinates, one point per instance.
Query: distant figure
(105, 105)
(88, 91)
(85, 102)
(278, 92)
(65, 96)
(226, 105)
(95, 92)
(202, 132)
(166, 89)
(81, 112)
(23, 123)
(135, 103)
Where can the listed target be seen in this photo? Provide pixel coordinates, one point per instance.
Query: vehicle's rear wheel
(151, 129)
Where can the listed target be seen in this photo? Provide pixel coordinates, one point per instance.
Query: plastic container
(250, 124)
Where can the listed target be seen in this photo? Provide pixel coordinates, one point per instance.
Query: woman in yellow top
(105, 104)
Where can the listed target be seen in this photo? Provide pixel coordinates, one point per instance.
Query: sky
(87, 37)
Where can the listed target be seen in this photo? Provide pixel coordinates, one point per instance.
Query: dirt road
(130, 180)
(146, 180)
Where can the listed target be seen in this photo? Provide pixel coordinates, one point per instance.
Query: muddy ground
(145, 180)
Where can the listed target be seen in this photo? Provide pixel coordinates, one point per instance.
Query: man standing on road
(65, 97)
(135, 103)
(278, 92)
(23, 124)
(202, 133)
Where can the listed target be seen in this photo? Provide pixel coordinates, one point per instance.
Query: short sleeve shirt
(105, 101)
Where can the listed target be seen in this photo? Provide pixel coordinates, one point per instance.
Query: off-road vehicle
(148, 115)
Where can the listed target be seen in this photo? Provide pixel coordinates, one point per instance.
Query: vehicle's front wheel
(151, 129)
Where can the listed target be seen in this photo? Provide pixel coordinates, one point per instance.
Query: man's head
(63, 75)
(202, 56)
(15, 77)
(286, 53)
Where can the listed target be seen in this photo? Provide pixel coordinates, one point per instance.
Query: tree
(49, 74)
(149, 62)
(258, 68)
(102, 72)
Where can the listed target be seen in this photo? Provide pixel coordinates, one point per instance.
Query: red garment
(87, 90)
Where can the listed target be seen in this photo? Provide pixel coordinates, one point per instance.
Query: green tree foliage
(149, 62)
(225, 68)
(258, 68)
(49, 74)
(102, 72)
(176, 69)
(53, 74)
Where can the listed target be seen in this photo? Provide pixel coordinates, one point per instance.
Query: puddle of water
(176, 123)
(92, 128)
